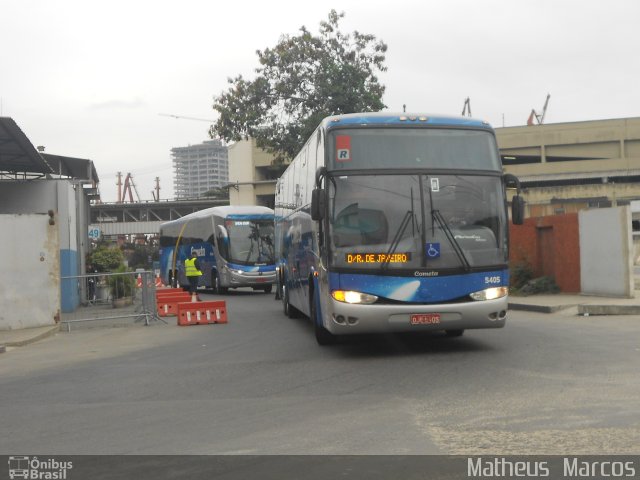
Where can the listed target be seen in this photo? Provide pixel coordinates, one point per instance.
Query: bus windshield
(413, 148)
(250, 242)
(413, 221)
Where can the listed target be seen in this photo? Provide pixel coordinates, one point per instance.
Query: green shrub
(540, 285)
(521, 273)
(121, 285)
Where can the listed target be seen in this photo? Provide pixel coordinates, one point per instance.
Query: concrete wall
(70, 206)
(606, 263)
(551, 246)
(245, 160)
(30, 273)
(242, 170)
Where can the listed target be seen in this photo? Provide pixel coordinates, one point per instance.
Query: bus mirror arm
(510, 179)
(321, 172)
(318, 197)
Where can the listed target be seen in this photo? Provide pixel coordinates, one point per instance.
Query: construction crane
(186, 118)
(128, 185)
(466, 110)
(539, 116)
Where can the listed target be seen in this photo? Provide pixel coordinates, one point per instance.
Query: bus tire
(323, 336)
(215, 284)
(268, 289)
(454, 333)
(289, 310)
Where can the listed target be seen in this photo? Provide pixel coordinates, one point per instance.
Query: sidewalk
(580, 304)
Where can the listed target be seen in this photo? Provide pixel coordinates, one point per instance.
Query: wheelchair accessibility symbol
(432, 250)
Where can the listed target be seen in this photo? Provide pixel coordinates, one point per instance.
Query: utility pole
(156, 192)
(119, 184)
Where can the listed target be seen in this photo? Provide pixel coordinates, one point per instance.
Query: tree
(299, 82)
(220, 193)
(106, 259)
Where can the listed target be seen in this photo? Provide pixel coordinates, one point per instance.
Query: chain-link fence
(112, 296)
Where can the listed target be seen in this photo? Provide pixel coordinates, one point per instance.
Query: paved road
(260, 384)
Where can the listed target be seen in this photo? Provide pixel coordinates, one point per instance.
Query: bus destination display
(356, 258)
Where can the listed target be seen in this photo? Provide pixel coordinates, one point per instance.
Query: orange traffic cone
(139, 281)
(159, 281)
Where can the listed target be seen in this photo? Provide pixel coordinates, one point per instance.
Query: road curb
(26, 340)
(609, 309)
(527, 307)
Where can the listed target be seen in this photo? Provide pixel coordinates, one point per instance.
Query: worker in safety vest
(192, 271)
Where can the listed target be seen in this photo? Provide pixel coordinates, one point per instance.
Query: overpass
(144, 217)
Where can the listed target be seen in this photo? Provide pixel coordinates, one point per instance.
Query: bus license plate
(425, 319)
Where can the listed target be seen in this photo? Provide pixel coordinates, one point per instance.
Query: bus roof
(227, 211)
(405, 119)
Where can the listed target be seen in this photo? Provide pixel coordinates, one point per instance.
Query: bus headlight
(349, 296)
(490, 293)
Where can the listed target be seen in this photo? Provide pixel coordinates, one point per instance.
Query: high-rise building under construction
(199, 168)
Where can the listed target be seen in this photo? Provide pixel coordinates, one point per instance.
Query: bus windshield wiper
(398, 236)
(408, 217)
(442, 223)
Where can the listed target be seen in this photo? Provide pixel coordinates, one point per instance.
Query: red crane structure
(125, 190)
(539, 116)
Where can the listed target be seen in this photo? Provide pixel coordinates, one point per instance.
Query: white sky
(89, 79)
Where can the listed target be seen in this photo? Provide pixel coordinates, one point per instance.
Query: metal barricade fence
(110, 296)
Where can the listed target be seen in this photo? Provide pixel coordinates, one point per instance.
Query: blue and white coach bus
(234, 245)
(395, 223)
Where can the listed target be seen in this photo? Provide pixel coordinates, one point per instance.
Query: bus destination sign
(356, 258)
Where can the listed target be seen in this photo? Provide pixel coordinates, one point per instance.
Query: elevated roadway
(144, 217)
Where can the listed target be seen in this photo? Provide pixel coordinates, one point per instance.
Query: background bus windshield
(250, 242)
(417, 221)
(411, 148)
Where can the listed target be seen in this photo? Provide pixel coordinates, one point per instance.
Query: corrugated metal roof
(80, 168)
(19, 156)
(17, 153)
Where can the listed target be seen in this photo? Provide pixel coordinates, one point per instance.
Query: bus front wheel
(215, 284)
(323, 336)
(454, 333)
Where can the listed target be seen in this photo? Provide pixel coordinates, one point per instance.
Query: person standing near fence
(193, 273)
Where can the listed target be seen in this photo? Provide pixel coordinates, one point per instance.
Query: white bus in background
(234, 246)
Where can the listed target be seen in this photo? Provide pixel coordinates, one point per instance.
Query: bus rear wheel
(289, 310)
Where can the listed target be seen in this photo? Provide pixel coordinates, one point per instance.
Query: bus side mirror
(517, 210)
(317, 204)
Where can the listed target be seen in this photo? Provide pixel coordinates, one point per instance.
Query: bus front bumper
(232, 279)
(344, 318)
